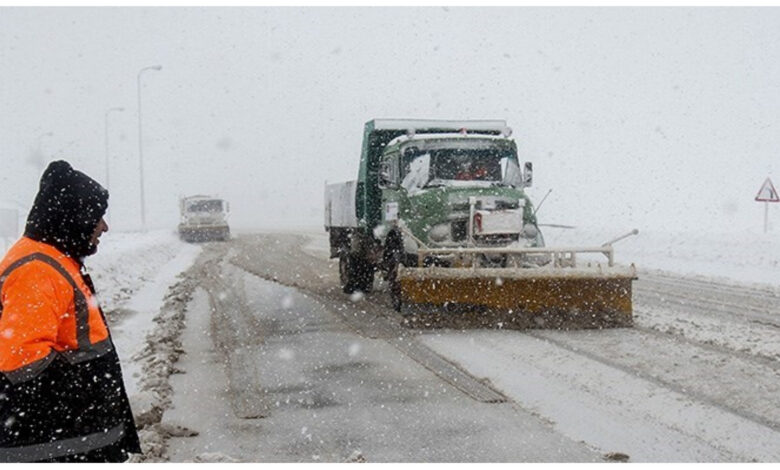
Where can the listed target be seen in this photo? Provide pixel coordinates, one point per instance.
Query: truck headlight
(440, 232)
(530, 231)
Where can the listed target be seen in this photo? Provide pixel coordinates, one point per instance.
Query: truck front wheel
(393, 256)
(395, 284)
(355, 273)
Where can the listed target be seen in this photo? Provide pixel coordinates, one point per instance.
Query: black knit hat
(67, 209)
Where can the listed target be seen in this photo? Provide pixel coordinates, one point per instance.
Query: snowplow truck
(203, 218)
(439, 208)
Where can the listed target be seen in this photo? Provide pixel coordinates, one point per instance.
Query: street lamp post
(108, 181)
(45, 134)
(140, 144)
(39, 159)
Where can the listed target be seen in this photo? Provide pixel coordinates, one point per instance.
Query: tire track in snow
(585, 400)
(759, 359)
(740, 319)
(656, 379)
(715, 286)
(750, 313)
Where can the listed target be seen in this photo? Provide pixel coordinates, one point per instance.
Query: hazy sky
(635, 117)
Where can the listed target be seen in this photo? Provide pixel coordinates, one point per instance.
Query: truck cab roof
(435, 125)
(438, 136)
(200, 196)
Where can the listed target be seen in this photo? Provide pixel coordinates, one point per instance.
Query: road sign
(767, 193)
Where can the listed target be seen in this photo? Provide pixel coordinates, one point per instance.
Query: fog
(634, 117)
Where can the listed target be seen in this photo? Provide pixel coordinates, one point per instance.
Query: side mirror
(528, 174)
(386, 176)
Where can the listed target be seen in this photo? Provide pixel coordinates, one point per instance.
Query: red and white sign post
(767, 194)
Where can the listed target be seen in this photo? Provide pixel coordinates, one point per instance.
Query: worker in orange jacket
(62, 397)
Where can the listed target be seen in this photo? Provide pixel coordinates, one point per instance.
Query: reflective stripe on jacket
(46, 308)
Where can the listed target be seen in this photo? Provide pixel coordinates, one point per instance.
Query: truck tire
(365, 276)
(355, 273)
(393, 258)
(346, 275)
(395, 286)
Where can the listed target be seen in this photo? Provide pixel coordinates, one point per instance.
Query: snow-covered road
(696, 379)
(297, 384)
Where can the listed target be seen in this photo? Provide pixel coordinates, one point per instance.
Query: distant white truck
(203, 218)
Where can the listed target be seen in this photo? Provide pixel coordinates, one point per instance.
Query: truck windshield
(466, 164)
(205, 206)
(462, 161)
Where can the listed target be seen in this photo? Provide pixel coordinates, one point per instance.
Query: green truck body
(428, 183)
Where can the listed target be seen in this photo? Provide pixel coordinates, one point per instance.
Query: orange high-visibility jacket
(46, 308)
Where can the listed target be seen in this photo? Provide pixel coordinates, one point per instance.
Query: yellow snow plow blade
(515, 287)
(530, 292)
(524, 298)
(534, 287)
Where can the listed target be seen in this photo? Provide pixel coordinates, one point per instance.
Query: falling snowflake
(286, 354)
(354, 349)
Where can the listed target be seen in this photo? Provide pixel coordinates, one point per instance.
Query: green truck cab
(431, 184)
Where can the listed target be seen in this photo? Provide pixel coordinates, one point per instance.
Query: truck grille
(497, 239)
(460, 229)
(499, 204)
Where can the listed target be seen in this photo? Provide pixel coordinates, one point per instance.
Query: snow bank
(144, 289)
(158, 357)
(126, 261)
